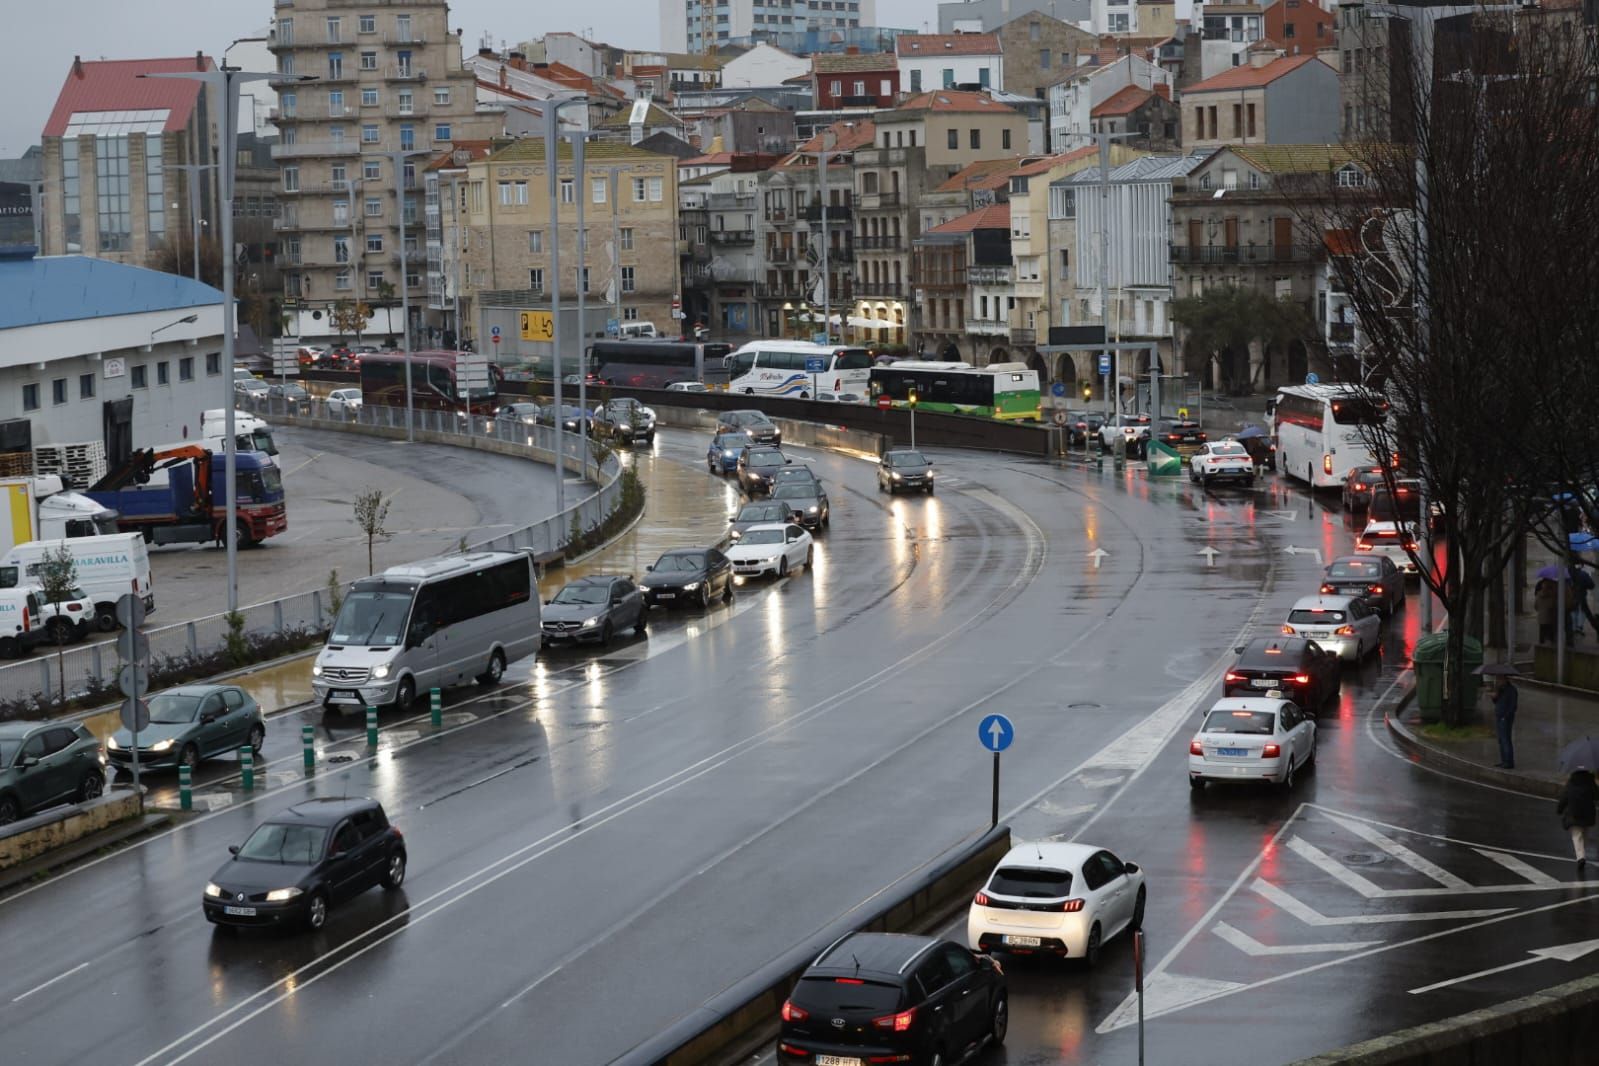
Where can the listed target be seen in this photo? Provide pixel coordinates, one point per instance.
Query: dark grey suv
(904, 470)
(593, 608)
(43, 764)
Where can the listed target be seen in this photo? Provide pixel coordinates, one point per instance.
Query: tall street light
(192, 180)
(579, 140)
(397, 162)
(552, 136)
(226, 80)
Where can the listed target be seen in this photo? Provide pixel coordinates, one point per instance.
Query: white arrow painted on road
(1250, 946)
(1294, 549)
(1098, 555)
(1210, 555)
(1560, 952)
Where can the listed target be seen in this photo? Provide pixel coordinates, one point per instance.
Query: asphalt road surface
(614, 836)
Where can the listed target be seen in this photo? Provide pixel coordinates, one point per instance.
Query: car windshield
(584, 593)
(826, 995)
(765, 459)
(170, 708)
(374, 618)
(1249, 723)
(1228, 449)
(1030, 882)
(1355, 568)
(906, 459)
(281, 842)
(1316, 616)
(761, 512)
(728, 440)
(681, 564)
(763, 536)
(794, 491)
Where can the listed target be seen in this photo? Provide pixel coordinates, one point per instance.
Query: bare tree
(175, 255)
(57, 575)
(1471, 272)
(371, 512)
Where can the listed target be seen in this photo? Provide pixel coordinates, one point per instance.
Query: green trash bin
(1428, 661)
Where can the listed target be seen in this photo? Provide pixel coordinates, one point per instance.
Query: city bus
(653, 364)
(1007, 391)
(432, 382)
(777, 368)
(1318, 431)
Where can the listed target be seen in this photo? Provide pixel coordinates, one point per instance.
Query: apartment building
(1300, 27)
(1282, 100)
(701, 25)
(1039, 49)
(852, 79)
(1226, 30)
(945, 61)
(1074, 95)
(387, 78)
(948, 262)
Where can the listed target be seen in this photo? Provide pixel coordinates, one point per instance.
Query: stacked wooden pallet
(16, 464)
(81, 465)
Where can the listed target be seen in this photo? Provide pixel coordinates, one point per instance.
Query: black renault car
(1298, 668)
(688, 575)
(300, 862)
(888, 997)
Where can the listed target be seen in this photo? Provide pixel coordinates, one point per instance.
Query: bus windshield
(1359, 411)
(374, 618)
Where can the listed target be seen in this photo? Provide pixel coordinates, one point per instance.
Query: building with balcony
(947, 61)
(386, 79)
(1225, 32)
(1270, 100)
(953, 318)
(1075, 95)
(1255, 216)
(445, 183)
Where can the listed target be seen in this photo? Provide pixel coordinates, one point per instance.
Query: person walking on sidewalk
(1577, 810)
(1544, 605)
(1505, 698)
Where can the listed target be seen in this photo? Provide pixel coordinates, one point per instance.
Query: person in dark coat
(1577, 810)
(1544, 602)
(1505, 700)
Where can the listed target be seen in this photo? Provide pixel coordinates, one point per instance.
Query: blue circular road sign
(1059, 388)
(995, 732)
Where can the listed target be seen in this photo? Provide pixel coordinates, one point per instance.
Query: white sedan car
(344, 403)
(1248, 738)
(687, 386)
(1056, 899)
(773, 548)
(1342, 624)
(1390, 539)
(1222, 460)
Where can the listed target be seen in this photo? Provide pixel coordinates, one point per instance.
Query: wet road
(614, 836)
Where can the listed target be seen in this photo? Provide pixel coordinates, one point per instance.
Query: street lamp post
(192, 172)
(579, 140)
(397, 162)
(552, 135)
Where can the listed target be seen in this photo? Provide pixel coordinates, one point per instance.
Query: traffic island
(1545, 722)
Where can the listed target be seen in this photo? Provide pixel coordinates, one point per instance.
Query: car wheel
(394, 872)
(705, 596)
(1288, 775)
(1138, 911)
(257, 738)
(60, 631)
(605, 633)
(491, 677)
(827, 518)
(316, 910)
(1196, 783)
(782, 567)
(999, 1022)
(105, 619)
(189, 756)
(810, 556)
(405, 695)
(9, 648)
(92, 785)
(641, 624)
(10, 809)
(1091, 954)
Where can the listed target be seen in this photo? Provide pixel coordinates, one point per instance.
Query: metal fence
(88, 666)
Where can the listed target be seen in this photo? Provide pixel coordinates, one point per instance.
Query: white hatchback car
(1247, 738)
(773, 548)
(1341, 624)
(1390, 539)
(1056, 899)
(344, 403)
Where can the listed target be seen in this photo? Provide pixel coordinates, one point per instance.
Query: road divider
(32, 837)
(729, 1026)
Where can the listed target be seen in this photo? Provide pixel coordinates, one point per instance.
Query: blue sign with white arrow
(815, 364)
(1058, 389)
(995, 732)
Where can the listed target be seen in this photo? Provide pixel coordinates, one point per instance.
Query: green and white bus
(1007, 391)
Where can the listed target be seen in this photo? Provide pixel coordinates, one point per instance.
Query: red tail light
(1203, 437)
(26, 624)
(982, 899)
(1344, 631)
(1394, 462)
(1301, 679)
(1174, 436)
(1326, 464)
(1195, 748)
(1328, 588)
(1232, 676)
(1410, 545)
(1288, 631)
(1374, 588)
(1072, 906)
(1271, 751)
(900, 1022)
(792, 1013)
(1362, 546)
(74, 606)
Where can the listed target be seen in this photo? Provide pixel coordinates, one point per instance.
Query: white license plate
(344, 696)
(666, 595)
(1023, 941)
(838, 1060)
(242, 912)
(1265, 682)
(1317, 634)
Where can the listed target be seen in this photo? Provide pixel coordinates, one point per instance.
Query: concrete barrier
(815, 434)
(1554, 1027)
(726, 1027)
(31, 837)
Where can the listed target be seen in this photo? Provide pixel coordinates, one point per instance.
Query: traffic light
(1088, 392)
(910, 397)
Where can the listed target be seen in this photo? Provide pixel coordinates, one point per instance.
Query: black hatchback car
(758, 467)
(688, 575)
(1182, 434)
(1298, 668)
(888, 997)
(302, 861)
(755, 426)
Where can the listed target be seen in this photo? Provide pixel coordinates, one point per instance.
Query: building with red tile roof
(1287, 100)
(946, 60)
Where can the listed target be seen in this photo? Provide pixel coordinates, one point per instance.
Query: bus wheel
(805, 395)
(749, 392)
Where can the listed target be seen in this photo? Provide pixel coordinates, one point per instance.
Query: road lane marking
(1333, 868)
(1310, 916)
(1416, 862)
(1560, 953)
(47, 984)
(1250, 946)
(1516, 866)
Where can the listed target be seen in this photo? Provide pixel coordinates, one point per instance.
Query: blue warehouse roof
(66, 288)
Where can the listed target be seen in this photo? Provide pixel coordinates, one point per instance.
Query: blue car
(722, 456)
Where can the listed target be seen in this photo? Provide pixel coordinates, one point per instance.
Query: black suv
(888, 997)
(1298, 668)
(625, 419)
(293, 867)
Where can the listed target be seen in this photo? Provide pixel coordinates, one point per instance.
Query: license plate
(1231, 751)
(838, 1060)
(1317, 634)
(1265, 682)
(344, 696)
(242, 912)
(666, 595)
(1023, 941)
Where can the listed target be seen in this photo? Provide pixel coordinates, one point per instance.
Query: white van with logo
(108, 568)
(636, 330)
(21, 617)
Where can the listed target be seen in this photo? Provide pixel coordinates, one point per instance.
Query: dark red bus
(432, 382)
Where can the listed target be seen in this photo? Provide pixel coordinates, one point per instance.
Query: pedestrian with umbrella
(1506, 697)
(1579, 799)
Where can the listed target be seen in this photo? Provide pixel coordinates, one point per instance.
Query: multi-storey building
(1145, 119)
(113, 149)
(444, 185)
(1073, 97)
(960, 270)
(944, 61)
(1038, 50)
(1300, 26)
(1283, 100)
(1226, 30)
(851, 79)
(984, 16)
(622, 270)
(701, 25)
(791, 198)
(1373, 76)
(388, 78)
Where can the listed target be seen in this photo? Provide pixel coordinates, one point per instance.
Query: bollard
(247, 768)
(185, 789)
(308, 740)
(371, 727)
(436, 699)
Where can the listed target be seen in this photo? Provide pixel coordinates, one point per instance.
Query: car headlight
(624, 427)
(111, 742)
(897, 477)
(735, 534)
(691, 586)
(316, 669)
(281, 895)
(214, 890)
(381, 670)
(769, 561)
(590, 623)
(164, 745)
(812, 510)
(730, 454)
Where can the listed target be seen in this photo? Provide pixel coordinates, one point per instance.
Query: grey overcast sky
(41, 44)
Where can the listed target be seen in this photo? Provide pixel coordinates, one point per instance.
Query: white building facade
(1072, 100)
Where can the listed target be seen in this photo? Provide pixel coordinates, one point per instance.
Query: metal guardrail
(89, 664)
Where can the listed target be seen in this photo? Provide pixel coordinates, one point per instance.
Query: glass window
(368, 24)
(373, 207)
(335, 65)
(369, 61)
(281, 843)
(441, 97)
(369, 133)
(627, 279)
(369, 98)
(371, 170)
(441, 132)
(140, 378)
(953, 139)
(213, 363)
(535, 241)
(568, 191)
(374, 242)
(597, 188)
(626, 234)
(186, 368)
(58, 391)
(163, 375)
(1251, 723)
(536, 279)
(85, 386)
(374, 279)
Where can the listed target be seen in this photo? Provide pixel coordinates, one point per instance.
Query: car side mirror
(27, 761)
(1130, 867)
(1239, 650)
(787, 461)
(233, 849)
(651, 567)
(209, 717)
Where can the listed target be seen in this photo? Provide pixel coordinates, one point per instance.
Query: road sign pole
(1138, 981)
(993, 813)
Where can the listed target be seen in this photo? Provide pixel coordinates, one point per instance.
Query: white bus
(777, 368)
(431, 624)
(1319, 431)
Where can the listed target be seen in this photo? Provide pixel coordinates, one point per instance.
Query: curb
(57, 858)
(1427, 755)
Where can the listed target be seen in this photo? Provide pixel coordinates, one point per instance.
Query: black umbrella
(1579, 755)
(1498, 670)
(1249, 431)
